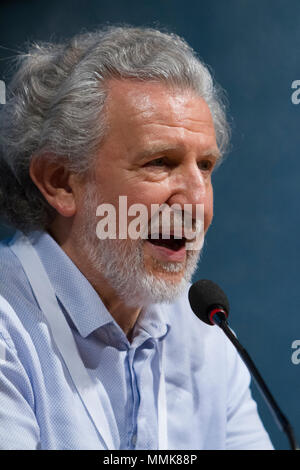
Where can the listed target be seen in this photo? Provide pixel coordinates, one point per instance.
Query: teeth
(164, 236)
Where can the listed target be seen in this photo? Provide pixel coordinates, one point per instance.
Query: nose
(190, 186)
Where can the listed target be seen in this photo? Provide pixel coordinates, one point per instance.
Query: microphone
(210, 304)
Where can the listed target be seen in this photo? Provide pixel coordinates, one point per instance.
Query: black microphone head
(204, 296)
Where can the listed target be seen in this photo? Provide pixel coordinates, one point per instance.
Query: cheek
(147, 194)
(208, 209)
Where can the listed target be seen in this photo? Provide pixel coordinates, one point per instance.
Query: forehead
(142, 111)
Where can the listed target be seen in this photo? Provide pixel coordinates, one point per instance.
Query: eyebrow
(160, 148)
(155, 149)
(214, 152)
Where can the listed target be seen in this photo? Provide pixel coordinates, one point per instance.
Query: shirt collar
(79, 298)
(154, 320)
(74, 291)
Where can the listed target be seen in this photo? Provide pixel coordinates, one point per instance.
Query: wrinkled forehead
(140, 106)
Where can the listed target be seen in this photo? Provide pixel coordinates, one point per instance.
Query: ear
(57, 184)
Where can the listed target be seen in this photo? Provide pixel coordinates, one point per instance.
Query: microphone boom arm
(283, 423)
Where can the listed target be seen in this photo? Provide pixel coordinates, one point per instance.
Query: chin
(169, 276)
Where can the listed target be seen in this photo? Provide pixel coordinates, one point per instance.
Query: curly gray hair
(55, 105)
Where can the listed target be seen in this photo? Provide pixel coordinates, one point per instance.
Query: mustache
(179, 224)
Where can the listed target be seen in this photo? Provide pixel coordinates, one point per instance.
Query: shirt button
(133, 440)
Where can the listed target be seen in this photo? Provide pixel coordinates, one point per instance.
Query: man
(100, 349)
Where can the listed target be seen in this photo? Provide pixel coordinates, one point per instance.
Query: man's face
(160, 148)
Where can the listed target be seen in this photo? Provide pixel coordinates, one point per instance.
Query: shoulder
(19, 311)
(12, 277)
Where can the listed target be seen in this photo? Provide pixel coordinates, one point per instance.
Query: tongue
(165, 253)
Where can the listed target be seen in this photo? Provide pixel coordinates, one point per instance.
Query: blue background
(252, 248)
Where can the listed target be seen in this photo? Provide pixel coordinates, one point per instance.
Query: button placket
(132, 431)
(146, 413)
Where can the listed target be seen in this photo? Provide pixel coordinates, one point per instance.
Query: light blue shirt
(209, 405)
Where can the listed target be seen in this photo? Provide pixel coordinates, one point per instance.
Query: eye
(206, 165)
(157, 162)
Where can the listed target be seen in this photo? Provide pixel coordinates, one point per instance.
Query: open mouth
(172, 243)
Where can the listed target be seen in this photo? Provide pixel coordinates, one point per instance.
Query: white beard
(121, 263)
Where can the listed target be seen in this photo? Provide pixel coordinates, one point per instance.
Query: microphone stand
(282, 422)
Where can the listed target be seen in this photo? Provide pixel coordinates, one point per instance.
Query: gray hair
(55, 105)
